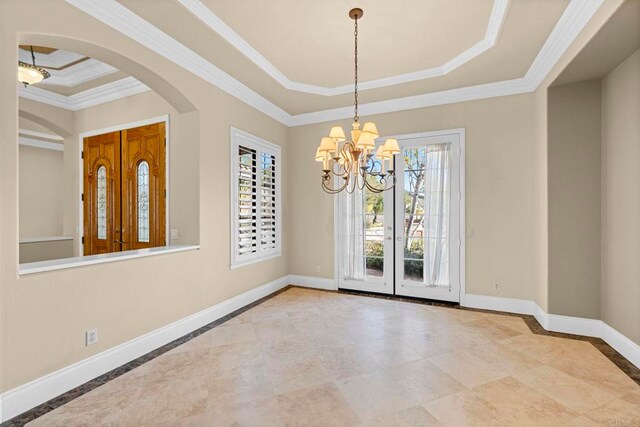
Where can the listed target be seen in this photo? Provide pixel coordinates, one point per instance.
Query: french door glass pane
(414, 213)
(374, 233)
(426, 214)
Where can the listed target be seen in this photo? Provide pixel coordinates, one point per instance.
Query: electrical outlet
(317, 269)
(470, 232)
(496, 286)
(91, 337)
(174, 234)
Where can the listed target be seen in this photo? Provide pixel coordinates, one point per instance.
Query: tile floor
(313, 358)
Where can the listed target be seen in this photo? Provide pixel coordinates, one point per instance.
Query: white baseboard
(623, 345)
(509, 305)
(574, 325)
(557, 323)
(27, 396)
(313, 282)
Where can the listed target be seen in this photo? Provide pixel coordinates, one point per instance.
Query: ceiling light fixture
(29, 74)
(357, 161)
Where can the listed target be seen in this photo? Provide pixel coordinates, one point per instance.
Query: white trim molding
(313, 282)
(123, 20)
(206, 15)
(38, 143)
(82, 72)
(27, 240)
(40, 135)
(558, 323)
(27, 396)
(117, 16)
(509, 305)
(88, 98)
(83, 261)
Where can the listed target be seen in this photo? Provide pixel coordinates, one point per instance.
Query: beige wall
(506, 203)
(43, 317)
(502, 179)
(46, 250)
(602, 15)
(621, 198)
(574, 199)
(41, 192)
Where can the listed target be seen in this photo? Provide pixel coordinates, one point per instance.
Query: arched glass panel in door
(143, 202)
(101, 201)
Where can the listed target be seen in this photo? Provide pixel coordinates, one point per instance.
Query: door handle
(389, 238)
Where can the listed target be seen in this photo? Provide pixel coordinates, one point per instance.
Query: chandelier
(356, 162)
(29, 74)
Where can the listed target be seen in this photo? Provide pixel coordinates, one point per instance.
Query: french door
(407, 241)
(124, 190)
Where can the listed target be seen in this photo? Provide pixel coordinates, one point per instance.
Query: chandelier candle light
(357, 161)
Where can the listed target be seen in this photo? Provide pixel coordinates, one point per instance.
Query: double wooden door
(124, 195)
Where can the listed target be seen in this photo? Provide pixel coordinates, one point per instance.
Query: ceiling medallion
(354, 161)
(29, 74)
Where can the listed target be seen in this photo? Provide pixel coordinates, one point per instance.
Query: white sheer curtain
(353, 232)
(436, 220)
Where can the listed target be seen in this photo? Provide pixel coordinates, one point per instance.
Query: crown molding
(82, 72)
(114, 14)
(575, 17)
(451, 96)
(31, 142)
(128, 23)
(88, 98)
(203, 13)
(40, 135)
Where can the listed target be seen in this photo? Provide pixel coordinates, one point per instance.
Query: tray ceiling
(293, 60)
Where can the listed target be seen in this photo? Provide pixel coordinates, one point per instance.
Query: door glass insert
(143, 202)
(426, 214)
(101, 201)
(373, 205)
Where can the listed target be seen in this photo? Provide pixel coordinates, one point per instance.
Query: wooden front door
(124, 190)
(143, 187)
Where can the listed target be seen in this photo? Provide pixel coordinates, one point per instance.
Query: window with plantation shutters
(255, 198)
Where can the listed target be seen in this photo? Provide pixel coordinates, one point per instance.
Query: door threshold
(403, 298)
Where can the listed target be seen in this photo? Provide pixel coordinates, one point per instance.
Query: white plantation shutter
(255, 194)
(268, 202)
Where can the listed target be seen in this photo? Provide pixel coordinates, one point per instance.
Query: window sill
(62, 264)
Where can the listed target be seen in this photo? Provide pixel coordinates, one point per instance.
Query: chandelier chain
(355, 33)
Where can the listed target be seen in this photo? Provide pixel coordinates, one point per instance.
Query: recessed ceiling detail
(508, 72)
(87, 98)
(496, 19)
(67, 69)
